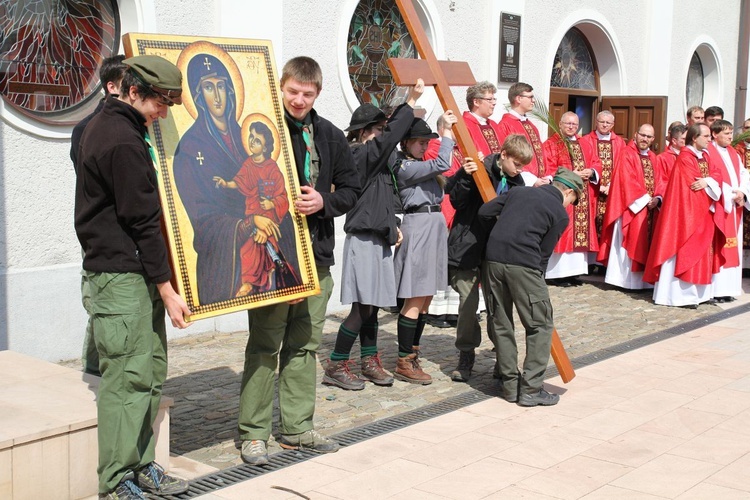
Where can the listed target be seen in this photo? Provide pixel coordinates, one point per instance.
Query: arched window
(573, 67)
(50, 52)
(695, 82)
(574, 82)
(376, 32)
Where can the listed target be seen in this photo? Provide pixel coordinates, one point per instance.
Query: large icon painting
(227, 177)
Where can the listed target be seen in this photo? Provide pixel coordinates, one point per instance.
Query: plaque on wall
(510, 46)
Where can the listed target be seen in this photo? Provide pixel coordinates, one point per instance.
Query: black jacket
(527, 225)
(117, 208)
(338, 181)
(468, 236)
(374, 211)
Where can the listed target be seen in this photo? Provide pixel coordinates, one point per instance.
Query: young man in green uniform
(288, 335)
(117, 221)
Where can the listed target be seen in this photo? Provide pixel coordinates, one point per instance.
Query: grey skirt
(421, 261)
(367, 275)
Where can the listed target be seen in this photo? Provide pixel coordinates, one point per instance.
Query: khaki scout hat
(566, 177)
(160, 75)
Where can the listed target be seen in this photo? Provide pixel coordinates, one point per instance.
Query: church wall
(718, 28)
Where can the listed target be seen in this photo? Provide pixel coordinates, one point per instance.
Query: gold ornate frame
(251, 69)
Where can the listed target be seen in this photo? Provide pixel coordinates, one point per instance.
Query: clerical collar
(697, 153)
(572, 138)
(720, 148)
(482, 120)
(643, 152)
(518, 115)
(603, 137)
(675, 151)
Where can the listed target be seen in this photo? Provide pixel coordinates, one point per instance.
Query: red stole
(744, 153)
(632, 178)
(730, 251)
(537, 145)
(485, 137)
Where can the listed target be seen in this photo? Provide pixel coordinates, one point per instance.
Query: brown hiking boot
(339, 374)
(372, 370)
(408, 370)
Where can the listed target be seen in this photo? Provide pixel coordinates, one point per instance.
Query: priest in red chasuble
(481, 101)
(515, 121)
(579, 243)
(727, 283)
(688, 238)
(665, 161)
(631, 213)
(743, 148)
(608, 146)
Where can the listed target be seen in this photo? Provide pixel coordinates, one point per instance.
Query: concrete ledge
(48, 430)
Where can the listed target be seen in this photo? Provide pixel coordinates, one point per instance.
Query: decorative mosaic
(51, 50)
(377, 32)
(574, 65)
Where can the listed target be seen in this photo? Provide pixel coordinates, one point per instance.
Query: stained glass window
(50, 52)
(574, 65)
(377, 32)
(694, 85)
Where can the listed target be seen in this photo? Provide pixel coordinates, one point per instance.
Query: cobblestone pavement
(205, 370)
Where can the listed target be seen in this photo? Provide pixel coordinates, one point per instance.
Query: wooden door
(633, 111)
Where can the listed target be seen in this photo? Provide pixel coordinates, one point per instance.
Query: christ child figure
(260, 181)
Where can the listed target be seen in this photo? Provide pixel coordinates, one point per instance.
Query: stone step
(48, 432)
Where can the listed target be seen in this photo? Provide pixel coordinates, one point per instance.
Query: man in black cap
(529, 222)
(117, 221)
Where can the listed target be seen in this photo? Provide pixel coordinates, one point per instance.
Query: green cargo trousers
(525, 288)
(130, 335)
(287, 336)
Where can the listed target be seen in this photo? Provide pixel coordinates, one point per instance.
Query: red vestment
(510, 124)
(731, 221)
(608, 151)
(686, 228)
(634, 176)
(259, 182)
(580, 235)
(664, 164)
(485, 137)
(744, 153)
(432, 152)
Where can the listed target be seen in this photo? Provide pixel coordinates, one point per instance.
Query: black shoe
(574, 281)
(462, 373)
(541, 398)
(561, 282)
(496, 371)
(724, 299)
(690, 306)
(452, 320)
(437, 321)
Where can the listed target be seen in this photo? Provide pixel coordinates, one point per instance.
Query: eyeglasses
(530, 96)
(164, 100)
(645, 136)
(609, 124)
(570, 124)
(488, 99)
